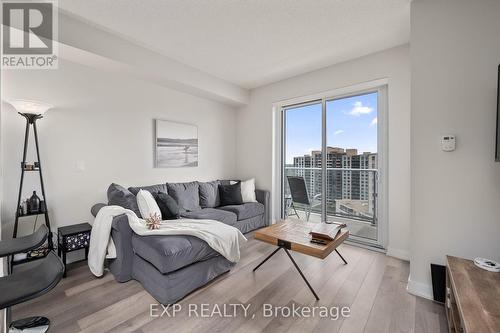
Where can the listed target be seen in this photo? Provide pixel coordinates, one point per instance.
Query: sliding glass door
(302, 160)
(331, 163)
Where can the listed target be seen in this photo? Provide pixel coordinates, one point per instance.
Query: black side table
(72, 238)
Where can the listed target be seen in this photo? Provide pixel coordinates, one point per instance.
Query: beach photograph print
(176, 144)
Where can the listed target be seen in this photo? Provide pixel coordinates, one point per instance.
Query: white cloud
(358, 109)
(374, 122)
(338, 132)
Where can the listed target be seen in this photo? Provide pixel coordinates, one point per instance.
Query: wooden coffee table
(293, 234)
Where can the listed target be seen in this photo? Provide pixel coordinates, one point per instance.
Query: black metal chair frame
(300, 195)
(31, 282)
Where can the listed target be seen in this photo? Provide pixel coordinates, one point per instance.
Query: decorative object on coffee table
(72, 238)
(176, 144)
(294, 235)
(32, 111)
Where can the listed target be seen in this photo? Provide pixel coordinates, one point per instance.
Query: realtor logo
(28, 33)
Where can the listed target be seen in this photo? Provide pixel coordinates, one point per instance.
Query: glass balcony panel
(350, 196)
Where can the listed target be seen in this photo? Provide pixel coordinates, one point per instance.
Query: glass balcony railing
(349, 193)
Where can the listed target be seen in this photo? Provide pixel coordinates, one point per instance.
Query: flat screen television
(497, 146)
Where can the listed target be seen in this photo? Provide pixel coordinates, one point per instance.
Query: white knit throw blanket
(221, 237)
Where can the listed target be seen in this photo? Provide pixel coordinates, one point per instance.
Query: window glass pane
(302, 169)
(352, 162)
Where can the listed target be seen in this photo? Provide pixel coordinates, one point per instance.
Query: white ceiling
(253, 42)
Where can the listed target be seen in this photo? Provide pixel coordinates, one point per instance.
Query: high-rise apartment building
(343, 182)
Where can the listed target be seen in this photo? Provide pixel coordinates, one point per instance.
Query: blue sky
(351, 123)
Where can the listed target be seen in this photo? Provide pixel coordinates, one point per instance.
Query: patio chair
(299, 194)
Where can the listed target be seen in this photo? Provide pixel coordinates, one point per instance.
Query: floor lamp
(31, 111)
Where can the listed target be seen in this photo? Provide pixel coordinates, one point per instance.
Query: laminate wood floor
(372, 285)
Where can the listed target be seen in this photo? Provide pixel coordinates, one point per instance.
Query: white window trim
(382, 85)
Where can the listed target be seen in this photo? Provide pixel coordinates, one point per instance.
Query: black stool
(30, 283)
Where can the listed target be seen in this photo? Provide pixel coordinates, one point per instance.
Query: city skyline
(347, 151)
(350, 180)
(351, 124)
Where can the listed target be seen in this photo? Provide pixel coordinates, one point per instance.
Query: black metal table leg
(301, 274)
(345, 262)
(269, 256)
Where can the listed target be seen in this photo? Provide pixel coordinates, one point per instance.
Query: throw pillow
(168, 207)
(248, 191)
(230, 194)
(120, 196)
(147, 204)
(209, 194)
(186, 195)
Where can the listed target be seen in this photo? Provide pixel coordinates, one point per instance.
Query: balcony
(350, 195)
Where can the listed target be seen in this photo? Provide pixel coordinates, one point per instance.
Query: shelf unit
(30, 214)
(37, 167)
(23, 261)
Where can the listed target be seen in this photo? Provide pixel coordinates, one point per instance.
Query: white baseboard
(398, 253)
(419, 289)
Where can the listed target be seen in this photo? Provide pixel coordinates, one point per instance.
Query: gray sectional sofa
(170, 267)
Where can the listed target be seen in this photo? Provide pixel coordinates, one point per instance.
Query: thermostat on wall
(448, 142)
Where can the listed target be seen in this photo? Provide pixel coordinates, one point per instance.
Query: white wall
(455, 52)
(106, 122)
(255, 129)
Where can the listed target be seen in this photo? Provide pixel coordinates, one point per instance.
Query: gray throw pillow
(186, 195)
(120, 196)
(168, 206)
(209, 194)
(230, 194)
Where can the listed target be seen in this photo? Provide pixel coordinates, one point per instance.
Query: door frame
(380, 85)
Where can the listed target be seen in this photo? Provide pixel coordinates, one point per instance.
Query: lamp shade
(31, 107)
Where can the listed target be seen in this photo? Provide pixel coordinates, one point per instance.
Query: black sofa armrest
(96, 208)
(264, 198)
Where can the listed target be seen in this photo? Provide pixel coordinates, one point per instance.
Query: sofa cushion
(248, 190)
(168, 206)
(150, 188)
(170, 253)
(246, 210)
(120, 196)
(209, 194)
(226, 217)
(186, 195)
(230, 194)
(147, 205)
